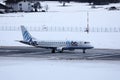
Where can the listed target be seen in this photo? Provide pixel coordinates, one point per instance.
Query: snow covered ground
(37, 69)
(73, 15)
(98, 40)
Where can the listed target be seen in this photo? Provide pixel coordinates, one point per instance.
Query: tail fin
(26, 35)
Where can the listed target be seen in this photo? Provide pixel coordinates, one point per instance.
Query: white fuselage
(64, 44)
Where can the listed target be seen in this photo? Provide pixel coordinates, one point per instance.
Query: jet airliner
(55, 46)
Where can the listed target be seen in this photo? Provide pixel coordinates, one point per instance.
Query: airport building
(21, 5)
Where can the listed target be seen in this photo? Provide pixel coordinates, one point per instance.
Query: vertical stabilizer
(26, 35)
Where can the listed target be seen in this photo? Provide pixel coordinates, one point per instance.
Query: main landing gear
(84, 50)
(53, 51)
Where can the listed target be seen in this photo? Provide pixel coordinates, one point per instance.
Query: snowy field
(37, 69)
(73, 15)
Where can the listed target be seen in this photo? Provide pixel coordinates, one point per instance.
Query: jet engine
(59, 49)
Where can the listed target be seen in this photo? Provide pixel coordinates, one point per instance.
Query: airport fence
(61, 29)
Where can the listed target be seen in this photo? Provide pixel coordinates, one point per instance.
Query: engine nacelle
(59, 49)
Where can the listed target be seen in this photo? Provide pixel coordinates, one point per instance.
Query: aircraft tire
(83, 50)
(53, 51)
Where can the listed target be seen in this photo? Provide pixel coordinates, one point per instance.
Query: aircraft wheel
(83, 50)
(61, 51)
(53, 51)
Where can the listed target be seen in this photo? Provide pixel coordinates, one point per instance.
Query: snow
(37, 69)
(73, 15)
(110, 40)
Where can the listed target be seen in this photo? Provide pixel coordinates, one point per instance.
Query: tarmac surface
(92, 54)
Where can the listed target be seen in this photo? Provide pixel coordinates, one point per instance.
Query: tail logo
(27, 36)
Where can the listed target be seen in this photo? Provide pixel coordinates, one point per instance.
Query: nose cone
(92, 47)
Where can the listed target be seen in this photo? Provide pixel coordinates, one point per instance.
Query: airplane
(58, 46)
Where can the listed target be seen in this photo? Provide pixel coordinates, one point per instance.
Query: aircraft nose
(91, 47)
